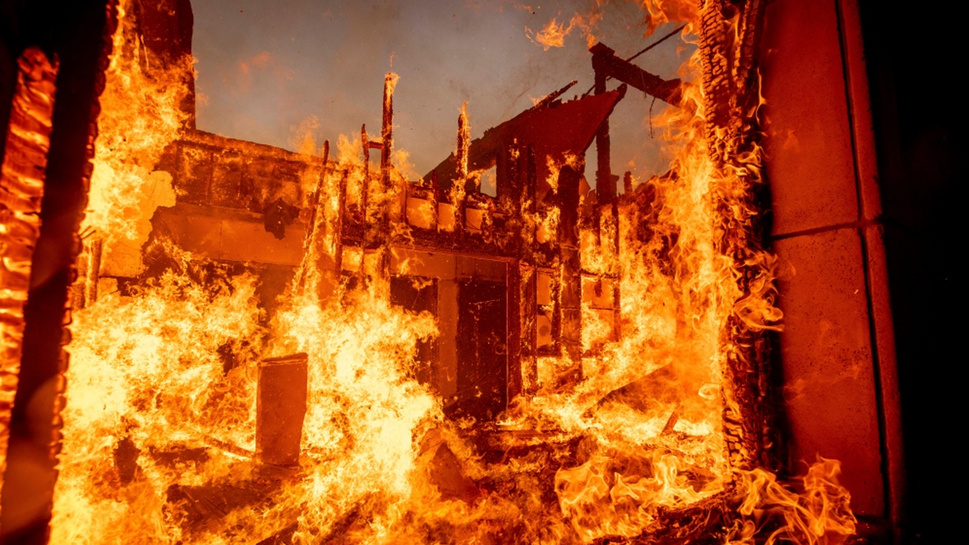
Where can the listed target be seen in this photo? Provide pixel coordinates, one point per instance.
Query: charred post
(460, 188)
(571, 266)
(21, 191)
(79, 34)
(605, 180)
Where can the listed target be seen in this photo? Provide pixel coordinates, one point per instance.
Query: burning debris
(273, 347)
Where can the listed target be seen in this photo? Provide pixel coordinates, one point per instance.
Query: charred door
(482, 340)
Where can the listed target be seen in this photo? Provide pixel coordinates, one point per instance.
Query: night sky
(268, 70)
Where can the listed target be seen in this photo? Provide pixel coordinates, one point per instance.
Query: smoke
(265, 69)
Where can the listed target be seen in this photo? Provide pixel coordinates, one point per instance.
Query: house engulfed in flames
(277, 347)
(500, 274)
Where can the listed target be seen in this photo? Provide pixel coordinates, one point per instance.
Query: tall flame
(141, 117)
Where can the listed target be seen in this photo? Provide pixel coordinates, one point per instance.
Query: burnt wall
(864, 141)
(838, 381)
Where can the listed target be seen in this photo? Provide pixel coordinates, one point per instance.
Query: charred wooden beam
(365, 192)
(393, 203)
(551, 131)
(21, 190)
(79, 34)
(728, 34)
(552, 97)
(462, 185)
(93, 273)
(606, 64)
(464, 143)
(338, 222)
(317, 269)
(605, 180)
(387, 129)
(522, 181)
(570, 278)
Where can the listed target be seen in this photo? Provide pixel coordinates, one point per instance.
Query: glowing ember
(620, 431)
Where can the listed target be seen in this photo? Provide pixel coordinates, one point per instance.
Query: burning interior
(277, 347)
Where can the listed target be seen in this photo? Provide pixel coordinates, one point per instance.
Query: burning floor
(276, 347)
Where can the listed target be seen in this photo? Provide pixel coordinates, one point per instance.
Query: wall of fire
(837, 356)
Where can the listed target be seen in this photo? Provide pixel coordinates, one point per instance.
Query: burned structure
(502, 272)
(526, 288)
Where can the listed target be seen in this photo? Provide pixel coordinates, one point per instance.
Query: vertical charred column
(571, 278)
(79, 35)
(509, 191)
(21, 190)
(390, 206)
(392, 211)
(380, 201)
(606, 190)
(367, 234)
(522, 275)
(459, 190)
(729, 31)
(319, 269)
(605, 180)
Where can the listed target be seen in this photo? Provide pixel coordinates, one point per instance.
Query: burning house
(278, 347)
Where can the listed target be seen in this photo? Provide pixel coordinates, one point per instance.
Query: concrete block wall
(836, 354)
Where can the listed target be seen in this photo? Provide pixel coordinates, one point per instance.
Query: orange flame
(615, 436)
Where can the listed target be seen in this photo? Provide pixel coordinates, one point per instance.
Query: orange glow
(615, 435)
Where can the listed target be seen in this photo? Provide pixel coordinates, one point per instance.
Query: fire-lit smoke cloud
(264, 68)
(256, 63)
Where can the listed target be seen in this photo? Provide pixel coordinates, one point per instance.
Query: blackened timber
(391, 210)
(552, 97)
(338, 221)
(311, 240)
(553, 131)
(21, 191)
(605, 181)
(459, 191)
(606, 63)
(464, 142)
(365, 237)
(326, 258)
(387, 128)
(79, 34)
(522, 180)
(514, 287)
(570, 299)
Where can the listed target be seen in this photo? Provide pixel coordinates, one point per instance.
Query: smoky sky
(270, 70)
